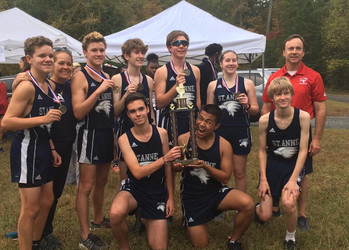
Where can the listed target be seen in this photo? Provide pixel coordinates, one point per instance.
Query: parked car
(256, 75)
(8, 81)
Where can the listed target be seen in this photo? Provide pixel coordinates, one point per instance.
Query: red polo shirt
(308, 88)
(3, 98)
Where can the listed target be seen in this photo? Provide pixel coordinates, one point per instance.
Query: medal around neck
(236, 95)
(140, 87)
(186, 72)
(63, 109)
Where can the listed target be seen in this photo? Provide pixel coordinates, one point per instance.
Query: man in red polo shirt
(310, 96)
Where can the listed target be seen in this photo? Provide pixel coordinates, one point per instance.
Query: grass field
(327, 208)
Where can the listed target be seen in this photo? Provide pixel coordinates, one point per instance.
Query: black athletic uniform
(200, 193)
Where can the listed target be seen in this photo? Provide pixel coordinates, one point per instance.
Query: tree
(336, 41)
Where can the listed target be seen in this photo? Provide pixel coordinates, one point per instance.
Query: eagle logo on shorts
(230, 106)
(201, 174)
(161, 206)
(104, 106)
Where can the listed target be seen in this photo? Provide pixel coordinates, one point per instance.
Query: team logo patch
(161, 206)
(231, 106)
(272, 130)
(134, 145)
(104, 106)
(172, 79)
(303, 81)
(243, 143)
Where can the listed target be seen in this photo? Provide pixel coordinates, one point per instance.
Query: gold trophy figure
(188, 157)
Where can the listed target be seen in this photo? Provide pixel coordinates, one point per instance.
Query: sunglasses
(65, 49)
(179, 42)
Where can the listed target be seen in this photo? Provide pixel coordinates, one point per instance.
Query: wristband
(53, 149)
(249, 106)
(165, 162)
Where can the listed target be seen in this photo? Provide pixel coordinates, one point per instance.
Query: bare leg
(157, 233)
(289, 206)
(239, 169)
(29, 211)
(98, 191)
(242, 202)
(46, 200)
(35, 204)
(86, 183)
(264, 211)
(198, 235)
(122, 204)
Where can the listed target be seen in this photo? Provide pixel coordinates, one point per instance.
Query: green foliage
(323, 23)
(336, 44)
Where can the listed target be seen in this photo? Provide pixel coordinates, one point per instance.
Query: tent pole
(263, 70)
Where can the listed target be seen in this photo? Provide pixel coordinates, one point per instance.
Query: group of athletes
(123, 107)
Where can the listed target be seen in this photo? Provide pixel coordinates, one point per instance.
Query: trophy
(188, 157)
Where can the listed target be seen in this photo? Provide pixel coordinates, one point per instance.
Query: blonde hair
(76, 65)
(93, 37)
(279, 85)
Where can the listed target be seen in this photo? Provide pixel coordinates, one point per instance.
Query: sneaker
(105, 224)
(93, 242)
(303, 223)
(12, 235)
(50, 242)
(234, 245)
(290, 245)
(277, 213)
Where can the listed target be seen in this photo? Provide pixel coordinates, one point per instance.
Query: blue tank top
(102, 114)
(42, 104)
(124, 121)
(146, 153)
(197, 179)
(234, 115)
(284, 144)
(64, 130)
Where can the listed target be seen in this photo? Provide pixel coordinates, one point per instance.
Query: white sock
(290, 236)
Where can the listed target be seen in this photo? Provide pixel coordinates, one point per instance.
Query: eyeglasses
(65, 49)
(179, 42)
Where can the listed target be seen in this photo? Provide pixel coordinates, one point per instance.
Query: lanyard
(129, 80)
(213, 70)
(236, 84)
(174, 69)
(95, 72)
(55, 98)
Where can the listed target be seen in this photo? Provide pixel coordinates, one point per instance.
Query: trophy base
(182, 103)
(188, 162)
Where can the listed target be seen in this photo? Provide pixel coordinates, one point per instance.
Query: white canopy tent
(202, 29)
(16, 26)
